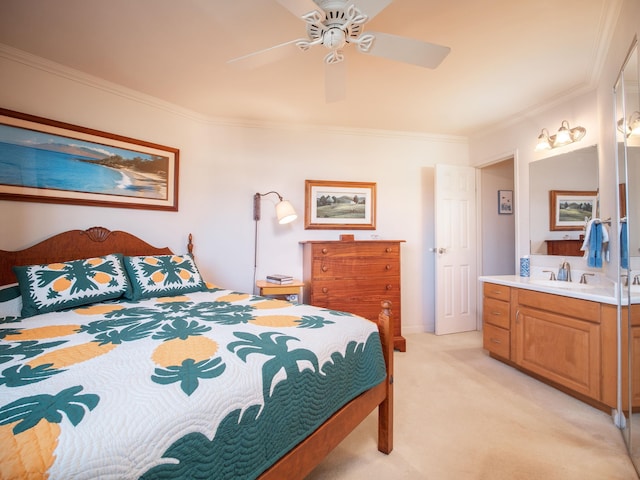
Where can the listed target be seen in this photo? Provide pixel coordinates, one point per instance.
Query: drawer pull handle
(497, 292)
(325, 250)
(497, 314)
(495, 340)
(389, 287)
(388, 267)
(388, 249)
(325, 289)
(325, 268)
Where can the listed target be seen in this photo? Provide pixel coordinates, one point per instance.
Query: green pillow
(58, 286)
(10, 302)
(162, 276)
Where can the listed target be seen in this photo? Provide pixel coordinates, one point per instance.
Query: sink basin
(565, 285)
(635, 289)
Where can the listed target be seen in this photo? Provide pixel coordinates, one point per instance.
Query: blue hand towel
(594, 258)
(624, 246)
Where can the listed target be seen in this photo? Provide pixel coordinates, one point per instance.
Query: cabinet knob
(387, 267)
(324, 268)
(389, 287)
(325, 289)
(325, 250)
(388, 249)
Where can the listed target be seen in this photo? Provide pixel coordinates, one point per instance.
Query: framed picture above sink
(571, 210)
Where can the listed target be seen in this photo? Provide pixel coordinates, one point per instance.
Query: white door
(455, 249)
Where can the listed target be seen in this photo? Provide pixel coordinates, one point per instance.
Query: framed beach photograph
(570, 210)
(43, 160)
(505, 202)
(340, 205)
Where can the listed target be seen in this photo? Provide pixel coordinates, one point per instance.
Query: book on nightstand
(279, 279)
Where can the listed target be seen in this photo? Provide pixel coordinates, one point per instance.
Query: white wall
(222, 164)
(498, 231)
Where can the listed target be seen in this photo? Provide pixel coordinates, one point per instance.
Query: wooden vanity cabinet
(610, 357)
(496, 314)
(564, 341)
(558, 338)
(355, 276)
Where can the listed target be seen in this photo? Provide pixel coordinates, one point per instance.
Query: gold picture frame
(337, 205)
(570, 209)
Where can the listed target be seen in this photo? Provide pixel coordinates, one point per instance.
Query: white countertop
(596, 292)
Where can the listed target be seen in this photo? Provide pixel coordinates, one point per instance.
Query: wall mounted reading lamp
(285, 214)
(565, 136)
(284, 210)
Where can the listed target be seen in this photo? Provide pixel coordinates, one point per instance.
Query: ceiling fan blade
(335, 81)
(266, 56)
(371, 8)
(300, 7)
(407, 50)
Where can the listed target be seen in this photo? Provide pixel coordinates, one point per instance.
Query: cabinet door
(563, 349)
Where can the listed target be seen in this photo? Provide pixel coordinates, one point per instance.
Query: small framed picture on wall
(505, 202)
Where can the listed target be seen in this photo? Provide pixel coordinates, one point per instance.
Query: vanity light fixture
(632, 128)
(565, 136)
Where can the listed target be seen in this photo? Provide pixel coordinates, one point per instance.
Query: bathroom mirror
(575, 171)
(627, 110)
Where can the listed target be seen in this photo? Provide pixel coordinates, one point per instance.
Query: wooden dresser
(355, 276)
(570, 248)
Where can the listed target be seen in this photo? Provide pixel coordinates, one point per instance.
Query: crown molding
(53, 68)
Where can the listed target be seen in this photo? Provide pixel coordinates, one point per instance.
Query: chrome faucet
(552, 275)
(583, 277)
(564, 274)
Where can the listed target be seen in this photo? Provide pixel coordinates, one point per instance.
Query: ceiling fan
(336, 24)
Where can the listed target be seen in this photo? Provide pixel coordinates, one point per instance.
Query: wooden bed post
(190, 245)
(385, 410)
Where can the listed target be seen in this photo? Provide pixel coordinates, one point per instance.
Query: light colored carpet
(462, 415)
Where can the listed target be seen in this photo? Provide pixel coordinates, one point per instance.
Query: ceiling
(507, 57)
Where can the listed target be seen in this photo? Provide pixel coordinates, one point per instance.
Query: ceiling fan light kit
(335, 24)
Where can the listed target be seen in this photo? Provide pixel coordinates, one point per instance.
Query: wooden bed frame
(302, 459)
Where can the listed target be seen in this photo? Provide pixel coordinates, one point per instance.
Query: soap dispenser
(564, 274)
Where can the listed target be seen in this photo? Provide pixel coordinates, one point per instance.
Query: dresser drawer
(355, 290)
(496, 312)
(356, 249)
(355, 267)
(496, 340)
(499, 292)
(369, 309)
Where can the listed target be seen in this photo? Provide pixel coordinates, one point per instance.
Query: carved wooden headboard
(77, 244)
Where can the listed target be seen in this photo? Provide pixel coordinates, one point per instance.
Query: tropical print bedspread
(214, 384)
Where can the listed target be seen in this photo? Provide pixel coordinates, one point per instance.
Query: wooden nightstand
(267, 288)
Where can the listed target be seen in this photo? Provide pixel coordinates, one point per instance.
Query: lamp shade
(563, 137)
(543, 141)
(285, 212)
